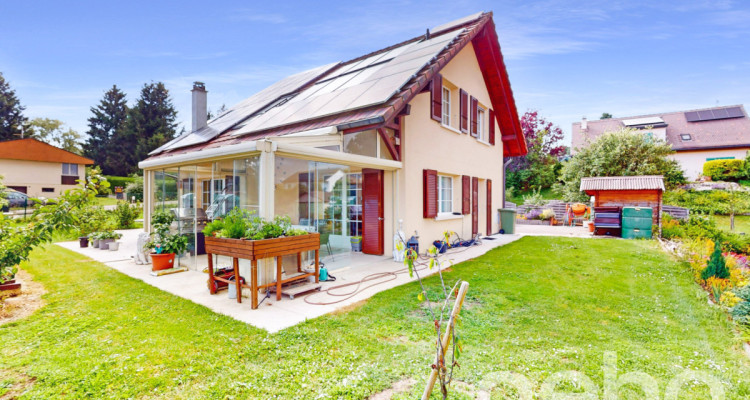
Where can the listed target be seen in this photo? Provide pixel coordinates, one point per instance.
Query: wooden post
(211, 273)
(254, 284)
(278, 278)
(317, 265)
(446, 340)
(237, 281)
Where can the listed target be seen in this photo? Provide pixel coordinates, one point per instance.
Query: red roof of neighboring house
(721, 133)
(34, 150)
(284, 108)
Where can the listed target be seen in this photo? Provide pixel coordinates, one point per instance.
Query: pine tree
(12, 121)
(717, 265)
(151, 122)
(108, 121)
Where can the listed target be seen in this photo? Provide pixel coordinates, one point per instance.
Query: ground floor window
(445, 194)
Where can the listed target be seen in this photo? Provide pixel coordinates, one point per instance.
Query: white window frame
(446, 107)
(481, 131)
(68, 171)
(445, 205)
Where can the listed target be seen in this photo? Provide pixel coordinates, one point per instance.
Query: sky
(566, 59)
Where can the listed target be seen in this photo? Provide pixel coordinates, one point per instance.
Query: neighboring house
(39, 169)
(696, 136)
(412, 135)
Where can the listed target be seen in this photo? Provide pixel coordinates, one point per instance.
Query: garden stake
(445, 342)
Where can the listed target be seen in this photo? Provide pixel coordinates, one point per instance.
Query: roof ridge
(661, 114)
(414, 39)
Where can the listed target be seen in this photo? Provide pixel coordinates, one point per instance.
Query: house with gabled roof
(411, 137)
(696, 136)
(40, 169)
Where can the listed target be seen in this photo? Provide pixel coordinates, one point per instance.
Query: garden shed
(627, 191)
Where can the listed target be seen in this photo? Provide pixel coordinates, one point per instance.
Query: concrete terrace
(273, 315)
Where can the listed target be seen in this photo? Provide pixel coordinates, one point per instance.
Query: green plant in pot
(165, 244)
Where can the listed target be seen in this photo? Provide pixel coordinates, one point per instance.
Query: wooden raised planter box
(255, 250)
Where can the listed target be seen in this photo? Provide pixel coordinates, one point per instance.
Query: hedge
(121, 181)
(724, 170)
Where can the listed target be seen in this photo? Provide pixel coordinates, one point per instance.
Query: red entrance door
(372, 211)
(474, 205)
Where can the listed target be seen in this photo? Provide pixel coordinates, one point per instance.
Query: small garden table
(255, 250)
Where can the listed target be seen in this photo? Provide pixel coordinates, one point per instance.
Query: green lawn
(547, 194)
(537, 306)
(741, 223)
(106, 201)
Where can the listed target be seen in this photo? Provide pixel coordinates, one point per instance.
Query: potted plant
(95, 238)
(107, 237)
(356, 242)
(164, 243)
(114, 245)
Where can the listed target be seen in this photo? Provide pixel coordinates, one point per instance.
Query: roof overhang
(280, 148)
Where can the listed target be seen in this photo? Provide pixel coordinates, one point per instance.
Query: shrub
(121, 181)
(126, 214)
(135, 188)
(724, 170)
(741, 311)
(717, 266)
(534, 198)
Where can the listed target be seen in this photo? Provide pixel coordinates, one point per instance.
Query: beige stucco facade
(430, 145)
(692, 161)
(36, 176)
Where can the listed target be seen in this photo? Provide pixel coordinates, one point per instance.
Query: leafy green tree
(108, 121)
(627, 152)
(540, 167)
(17, 241)
(606, 115)
(52, 131)
(12, 121)
(151, 123)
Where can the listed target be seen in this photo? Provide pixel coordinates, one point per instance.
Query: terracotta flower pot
(591, 227)
(162, 261)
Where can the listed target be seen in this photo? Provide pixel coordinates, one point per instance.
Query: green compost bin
(635, 233)
(507, 220)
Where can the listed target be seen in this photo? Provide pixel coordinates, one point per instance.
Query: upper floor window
(445, 194)
(446, 106)
(481, 130)
(70, 169)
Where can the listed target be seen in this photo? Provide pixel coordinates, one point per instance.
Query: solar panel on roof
(714, 114)
(735, 112)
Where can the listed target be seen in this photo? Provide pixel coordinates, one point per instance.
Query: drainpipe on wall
(505, 173)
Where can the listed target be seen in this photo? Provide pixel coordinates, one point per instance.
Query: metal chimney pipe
(200, 106)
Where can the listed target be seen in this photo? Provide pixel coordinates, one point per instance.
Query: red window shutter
(466, 195)
(429, 193)
(474, 116)
(489, 207)
(474, 205)
(464, 107)
(436, 111)
(492, 127)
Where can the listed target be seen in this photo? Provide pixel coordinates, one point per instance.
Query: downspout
(505, 173)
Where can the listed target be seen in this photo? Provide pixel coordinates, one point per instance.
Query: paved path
(547, 230)
(272, 315)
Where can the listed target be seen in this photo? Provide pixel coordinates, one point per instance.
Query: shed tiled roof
(31, 149)
(368, 91)
(704, 135)
(643, 182)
